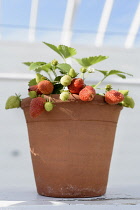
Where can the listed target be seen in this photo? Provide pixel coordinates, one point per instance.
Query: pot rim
(74, 98)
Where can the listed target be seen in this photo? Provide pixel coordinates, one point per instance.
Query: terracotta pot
(71, 146)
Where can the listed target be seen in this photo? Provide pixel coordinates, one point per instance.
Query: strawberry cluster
(38, 103)
(74, 86)
(62, 79)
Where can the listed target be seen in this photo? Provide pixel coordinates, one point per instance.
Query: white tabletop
(119, 197)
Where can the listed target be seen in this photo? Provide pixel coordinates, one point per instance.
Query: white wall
(15, 162)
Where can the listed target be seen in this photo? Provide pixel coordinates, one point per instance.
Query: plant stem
(49, 76)
(53, 70)
(83, 76)
(64, 59)
(55, 74)
(100, 82)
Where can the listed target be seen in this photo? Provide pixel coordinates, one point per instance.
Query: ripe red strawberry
(34, 88)
(78, 82)
(76, 85)
(91, 88)
(46, 87)
(113, 97)
(37, 106)
(86, 94)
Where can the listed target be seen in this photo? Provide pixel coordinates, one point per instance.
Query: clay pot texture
(71, 146)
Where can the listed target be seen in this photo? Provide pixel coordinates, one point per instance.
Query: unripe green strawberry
(108, 87)
(83, 70)
(72, 73)
(32, 94)
(34, 88)
(128, 102)
(66, 80)
(13, 102)
(64, 96)
(54, 62)
(48, 106)
(124, 92)
(39, 78)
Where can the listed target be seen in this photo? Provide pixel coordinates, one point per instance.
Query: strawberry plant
(61, 78)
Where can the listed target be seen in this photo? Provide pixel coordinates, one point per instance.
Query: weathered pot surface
(71, 146)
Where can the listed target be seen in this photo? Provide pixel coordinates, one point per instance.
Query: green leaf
(53, 47)
(64, 68)
(121, 75)
(45, 67)
(35, 65)
(58, 78)
(102, 71)
(32, 82)
(57, 89)
(86, 62)
(27, 63)
(62, 50)
(111, 72)
(67, 51)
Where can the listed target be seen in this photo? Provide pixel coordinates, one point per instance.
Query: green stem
(49, 76)
(54, 73)
(53, 70)
(100, 82)
(64, 59)
(83, 76)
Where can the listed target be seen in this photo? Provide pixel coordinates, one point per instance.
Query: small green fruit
(72, 73)
(64, 96)
(108, 87)
(48, 106)
(13, 102)
(124, 92)
(32, 94)
(54, 62)
(39, 78)
(83, 70)
(128, 102)
(66, 80)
